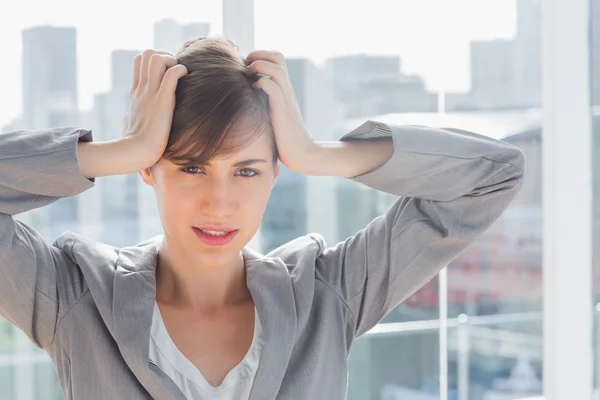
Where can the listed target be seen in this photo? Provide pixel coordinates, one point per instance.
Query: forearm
(348, 159)
(116, 157)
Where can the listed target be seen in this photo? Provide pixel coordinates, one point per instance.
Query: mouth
(215, 236)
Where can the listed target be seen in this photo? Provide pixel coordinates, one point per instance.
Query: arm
(38, 167)
(115, 157)
(454, 184)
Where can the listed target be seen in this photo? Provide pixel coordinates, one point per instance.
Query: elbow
(517, 159)
(511, 169)
(506, 178)
(505, 155)
(518, 162)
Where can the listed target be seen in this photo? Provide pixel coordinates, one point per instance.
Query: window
(473, 332)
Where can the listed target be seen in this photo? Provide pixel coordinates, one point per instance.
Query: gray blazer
(89, 305)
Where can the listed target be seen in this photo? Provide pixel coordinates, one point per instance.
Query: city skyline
(94, 50)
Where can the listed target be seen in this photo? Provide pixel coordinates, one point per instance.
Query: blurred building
(528, 54)
(49, 83)
(119, 201)
(506, 74)
(238, 23)
(49, 77)
(301, 204)
(367, 85)
(494, 75)
(171, 36)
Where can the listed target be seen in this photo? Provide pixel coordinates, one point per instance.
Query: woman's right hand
(148, 122)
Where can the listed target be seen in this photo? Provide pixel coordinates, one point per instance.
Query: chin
(218, 258)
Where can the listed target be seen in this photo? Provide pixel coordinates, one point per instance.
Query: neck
(190, 283)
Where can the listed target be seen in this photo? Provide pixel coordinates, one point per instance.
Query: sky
(431, 36)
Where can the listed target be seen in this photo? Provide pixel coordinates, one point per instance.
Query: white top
(236, 385)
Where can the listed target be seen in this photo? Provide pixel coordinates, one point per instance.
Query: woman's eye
(248, 172)
(244, 172)
(191, 170)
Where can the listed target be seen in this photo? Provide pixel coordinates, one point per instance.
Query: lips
(214, 232)
(215, 228)
(211, 234)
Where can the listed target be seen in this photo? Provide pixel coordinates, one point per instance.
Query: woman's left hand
(294, 143)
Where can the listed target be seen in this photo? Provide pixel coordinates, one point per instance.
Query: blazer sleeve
(37, 167)
(452, 184)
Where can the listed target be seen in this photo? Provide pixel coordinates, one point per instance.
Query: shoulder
(304, 249)
(83, 250)
(90, 268)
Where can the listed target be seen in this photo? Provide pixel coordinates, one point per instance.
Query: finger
(275, 57)
(137, 62)
(159, 63)
(272, 89)
(276, 72)
(146, 55)
(170, 80)
(145, 64)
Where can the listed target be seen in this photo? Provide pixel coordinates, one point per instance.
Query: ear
(147, 176)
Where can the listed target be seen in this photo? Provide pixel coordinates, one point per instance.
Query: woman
(195, 313)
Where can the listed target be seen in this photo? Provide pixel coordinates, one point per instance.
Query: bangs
(215, 138)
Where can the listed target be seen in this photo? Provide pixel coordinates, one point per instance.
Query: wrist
(141, 156)
(316, 159)
(347, 159)
(115, 157)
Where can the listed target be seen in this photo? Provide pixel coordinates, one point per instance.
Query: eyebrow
(245, 163)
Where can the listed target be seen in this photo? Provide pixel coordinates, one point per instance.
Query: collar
(134, 296)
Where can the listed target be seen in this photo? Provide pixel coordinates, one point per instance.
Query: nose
(218, 198)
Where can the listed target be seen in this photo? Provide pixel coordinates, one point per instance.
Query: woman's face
(230, 192)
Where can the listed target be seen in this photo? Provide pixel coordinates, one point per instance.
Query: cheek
(254, 198)
(176, 201)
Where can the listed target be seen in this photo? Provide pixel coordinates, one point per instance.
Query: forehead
(243, 139)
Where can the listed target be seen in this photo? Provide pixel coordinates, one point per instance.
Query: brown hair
(217, 110)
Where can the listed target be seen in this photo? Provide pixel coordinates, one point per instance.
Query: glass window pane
(398, 365)
(495, 286)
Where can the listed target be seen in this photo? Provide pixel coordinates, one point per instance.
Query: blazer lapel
(133, 304)
(270, 284)
(134, 294)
